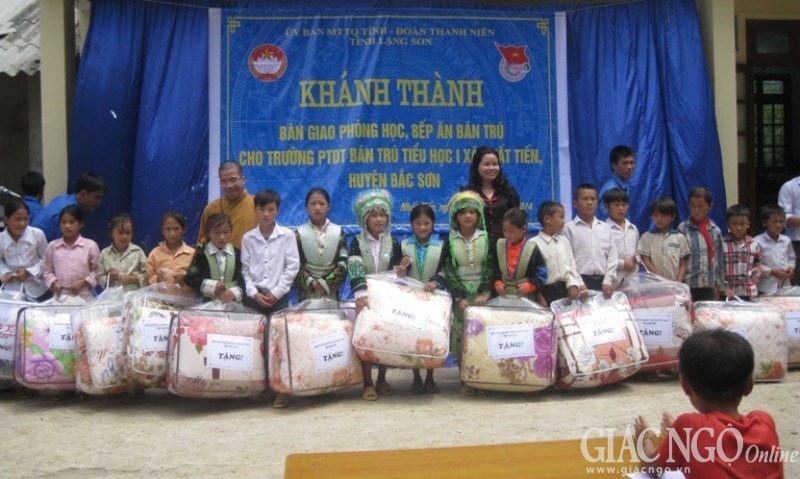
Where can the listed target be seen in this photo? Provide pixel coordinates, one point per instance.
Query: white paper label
(793, 324)
(117, 333)
(409, 317)
(155, 328)
(229, 352)
(514, 341)
(7, 341)
(656, 328)
(597, 329)
(61, 336)
(330, 352)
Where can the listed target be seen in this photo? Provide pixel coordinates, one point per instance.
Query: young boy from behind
(563, 279)
(704, 269)
(777, 253)
(716, 371)
(592, 245)
(741, 256)
(624, 233)
(664, 251)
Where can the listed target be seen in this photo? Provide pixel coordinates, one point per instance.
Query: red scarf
(702, 226)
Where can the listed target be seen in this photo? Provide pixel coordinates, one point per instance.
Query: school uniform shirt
(27, 252)
(558, 258)
(774, 254)
(269, 264)
(665, 250)
(242, 213)
(703, 270)
(47, 219)
(129, 262)
(626, 238)
(161, 259)
(742, 265)
(593, 247)
(67, 263)
(789, 200)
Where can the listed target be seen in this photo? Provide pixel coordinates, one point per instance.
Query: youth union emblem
(267, 62)
(515, 64)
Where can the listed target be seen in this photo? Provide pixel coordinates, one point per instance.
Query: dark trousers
(702, 294)
(554, 292)
(253, 304)
(593, 281)
(796, 246)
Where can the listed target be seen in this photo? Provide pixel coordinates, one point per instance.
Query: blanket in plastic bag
(10, 304)
(217, 351)
(662, 310)
(404, 326)
(509, 345)
(763, 325)
(789, 300)
(310, 349)
(598, 341)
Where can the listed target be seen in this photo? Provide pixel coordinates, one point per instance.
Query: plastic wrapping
(44, 353)
(10, 305)
(662, 310)
(789, 300)
(404, 326)
(217, 351)
(146, 317)
(99, 353)
(763, 325)
(509, 345)
(310, 349)
(598, 341)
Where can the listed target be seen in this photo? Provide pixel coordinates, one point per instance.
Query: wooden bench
(535, 460)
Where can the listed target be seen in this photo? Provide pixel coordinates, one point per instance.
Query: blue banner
(388, 100)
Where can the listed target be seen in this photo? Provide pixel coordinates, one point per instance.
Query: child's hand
(55, 287)
(219, 288)
(318, 287)
(227, 296)
(178, 278)
(666, 422)
(501, 290)
(8, 278)
(22, 274)
(462, 304)
(113, 275)
(430, 287)
(261, 299)
(361, 303)
(584, 292)
(608, 290)
(629, 265)
(481, 300)
(572, 293)
(729, 293)
(77, 286)
(640, 425)
(781, 274)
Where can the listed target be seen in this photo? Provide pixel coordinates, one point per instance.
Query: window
(772, 107)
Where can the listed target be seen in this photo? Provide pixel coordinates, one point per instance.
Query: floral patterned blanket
(216, 355)
(8, 327)
(598, 341)
(764, 327)
(45, 348)
(404, 326)
(791, 306)
(508, 349)
(311, 352)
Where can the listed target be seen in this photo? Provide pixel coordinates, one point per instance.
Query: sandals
(430, 387)
(369, 394)
(467, 390)
(417, 387)
(282, 401)
(384, 389)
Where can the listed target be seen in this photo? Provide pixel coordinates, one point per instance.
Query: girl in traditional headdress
(323, 251)
(468, 264)
(372, 251)
(424, 253)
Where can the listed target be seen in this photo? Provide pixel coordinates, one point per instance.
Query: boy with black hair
(777, 254)
(592, 246)
(663, 250)
(89, 191)
(624, 233)
(741, 256)
(563, 280)
(32, 184)
(704, 269)
(716, 371)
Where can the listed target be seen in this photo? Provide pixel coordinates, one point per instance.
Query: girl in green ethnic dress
(323, 252)
(468, 263)
(374, 250)
(423, 254)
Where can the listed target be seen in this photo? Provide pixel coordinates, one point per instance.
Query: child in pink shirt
(70, 262)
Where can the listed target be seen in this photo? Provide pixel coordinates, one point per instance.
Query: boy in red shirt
(716, 371)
